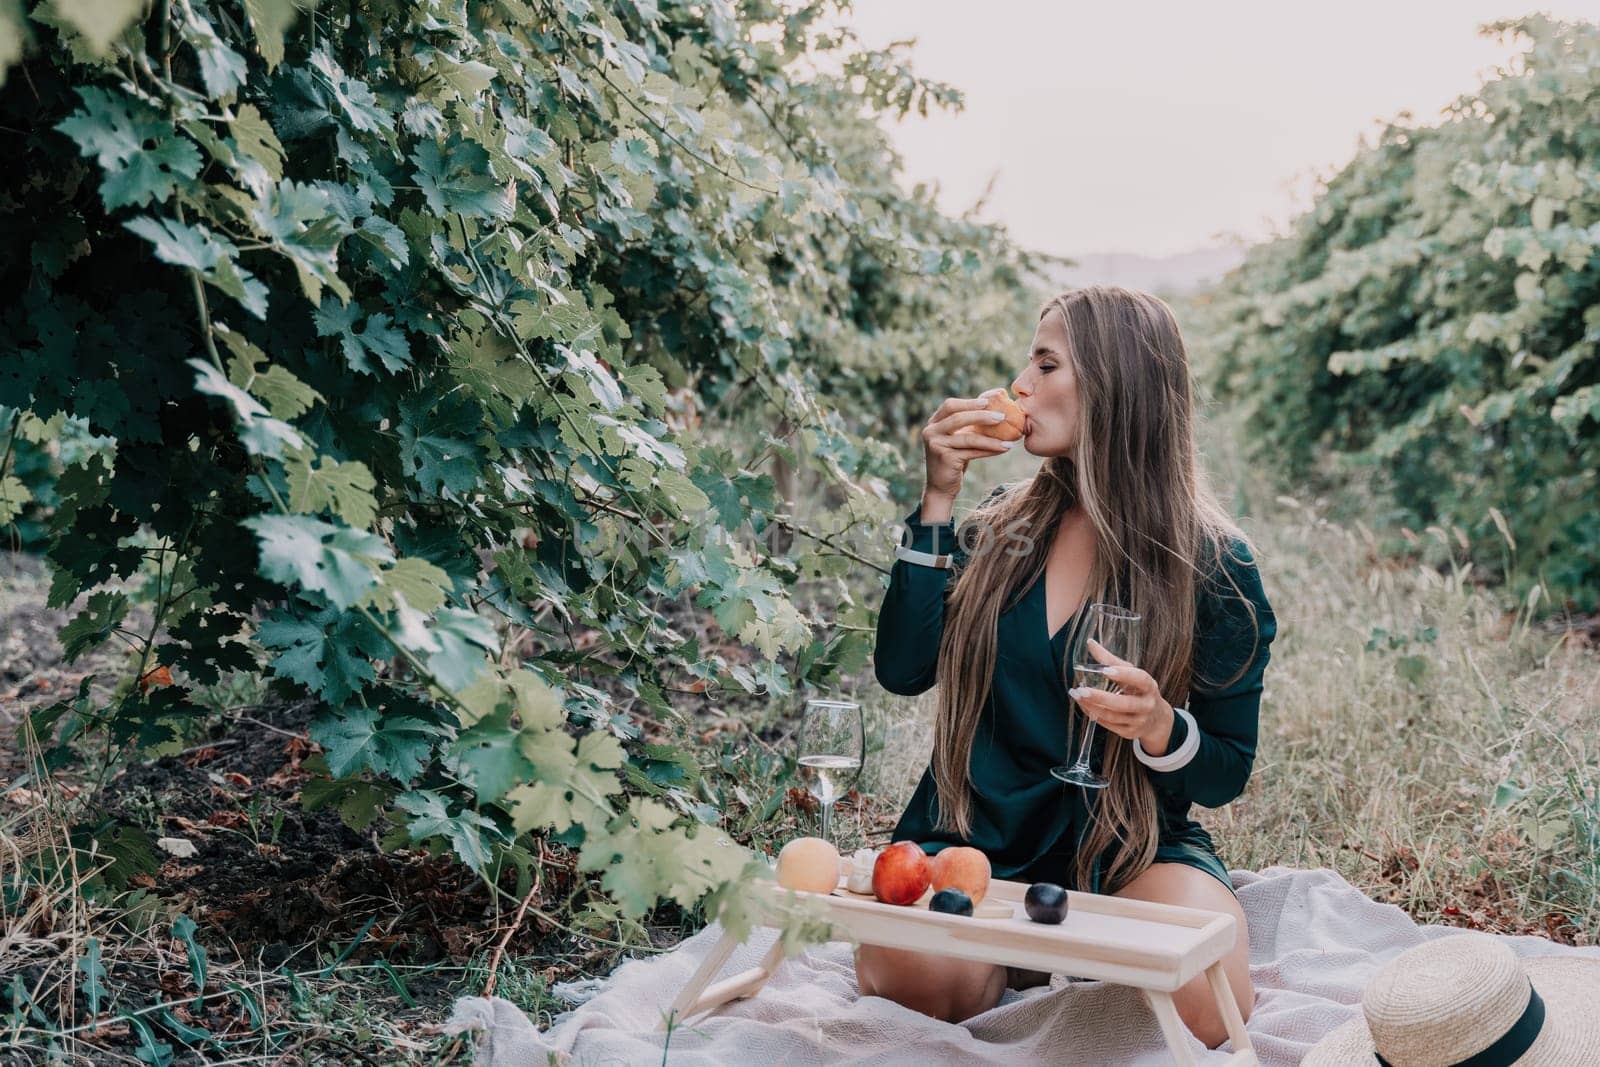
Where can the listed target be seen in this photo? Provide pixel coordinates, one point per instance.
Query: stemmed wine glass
(1117, 630)
(832, 745)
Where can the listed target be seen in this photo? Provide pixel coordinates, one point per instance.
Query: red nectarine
(901, 873)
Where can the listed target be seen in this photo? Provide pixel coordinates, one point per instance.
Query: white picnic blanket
(1315, 940)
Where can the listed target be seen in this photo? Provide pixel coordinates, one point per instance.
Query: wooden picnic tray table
(1156, 948)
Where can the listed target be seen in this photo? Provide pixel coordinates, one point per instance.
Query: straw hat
(1467, 998)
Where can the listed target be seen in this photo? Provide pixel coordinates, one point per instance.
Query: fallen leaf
(154, 678)
(177, 846)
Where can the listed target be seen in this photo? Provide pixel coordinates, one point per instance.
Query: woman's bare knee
(939, 986)
(1183, 885)
(1197, 1004)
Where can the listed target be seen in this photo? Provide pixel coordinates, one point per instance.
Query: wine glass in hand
(1117, 630)
(832, 745)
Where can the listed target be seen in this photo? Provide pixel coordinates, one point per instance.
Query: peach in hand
(810, 864)
(1012, 426)
(901, 874)
(962, 867)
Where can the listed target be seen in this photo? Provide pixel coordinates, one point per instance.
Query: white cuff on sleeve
(1179, 756)
(926, 559)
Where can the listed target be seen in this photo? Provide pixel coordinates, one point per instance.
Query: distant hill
(1175, 275)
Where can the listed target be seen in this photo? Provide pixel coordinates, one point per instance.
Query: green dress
(1027, 822)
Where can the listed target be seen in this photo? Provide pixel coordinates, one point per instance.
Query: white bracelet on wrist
(1179, 756)
(926, 559)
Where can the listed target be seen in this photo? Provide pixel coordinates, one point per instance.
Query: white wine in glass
(1117, 631)
(832, 745)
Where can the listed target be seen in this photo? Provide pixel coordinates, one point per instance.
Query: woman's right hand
(950, 443)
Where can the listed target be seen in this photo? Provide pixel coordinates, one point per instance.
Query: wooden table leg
(1172, 1027)
(704, 973)
(691, 1001)
(768, 964)
(1228, 1005)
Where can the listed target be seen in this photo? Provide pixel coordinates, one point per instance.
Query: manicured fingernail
(995, 416)
(1111, 672)
(1076, 693)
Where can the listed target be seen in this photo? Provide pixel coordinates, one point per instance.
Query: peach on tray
(961, 867)
(810, 864)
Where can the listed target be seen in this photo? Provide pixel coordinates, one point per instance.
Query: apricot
(962, 867)
(901, 873)
(810, 864)
(1015, 421)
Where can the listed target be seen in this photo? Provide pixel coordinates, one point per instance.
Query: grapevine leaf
(465, 830)
(177, 243)
(438, 443)
(14, 496)
(345, 489)
(259, 432)
(454, 177)
(222, 70)
(358, 800)
(299, 222)
(100, 21)
(387, 238)
(118, 132)
(352, 98)
(421, 584)
(270, 19)
(635, 855)
(488, 759)
(464, 638)
(573, 780)
(92, 626)
(357, 739)
(329, 652)
(489, 364)
(378, 337)
(255, 138)
(336, 561)
(284, 395)
(14, 36)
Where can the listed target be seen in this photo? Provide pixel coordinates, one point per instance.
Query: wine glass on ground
(1117, 630)
(832, 745)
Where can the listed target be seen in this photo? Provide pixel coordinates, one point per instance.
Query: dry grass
(1446, 762)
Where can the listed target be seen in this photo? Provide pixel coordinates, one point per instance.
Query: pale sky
(1157, 128)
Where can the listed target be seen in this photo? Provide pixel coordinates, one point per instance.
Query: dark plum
(1045, 902)
(951, 901)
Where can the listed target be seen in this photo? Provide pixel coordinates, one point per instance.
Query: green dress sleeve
(911, 618)
(1226, 709)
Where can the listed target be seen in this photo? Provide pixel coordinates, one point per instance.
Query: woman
(1120, 512)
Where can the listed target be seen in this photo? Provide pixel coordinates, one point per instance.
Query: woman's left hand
(1137, 712)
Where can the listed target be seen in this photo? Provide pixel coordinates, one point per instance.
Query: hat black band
(1513, 1043)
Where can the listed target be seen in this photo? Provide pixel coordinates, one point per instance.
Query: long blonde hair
(1157, 529)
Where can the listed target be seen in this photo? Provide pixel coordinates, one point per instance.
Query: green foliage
(94, 976)
(184, 929)
(366, 297)
(1432, 324)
